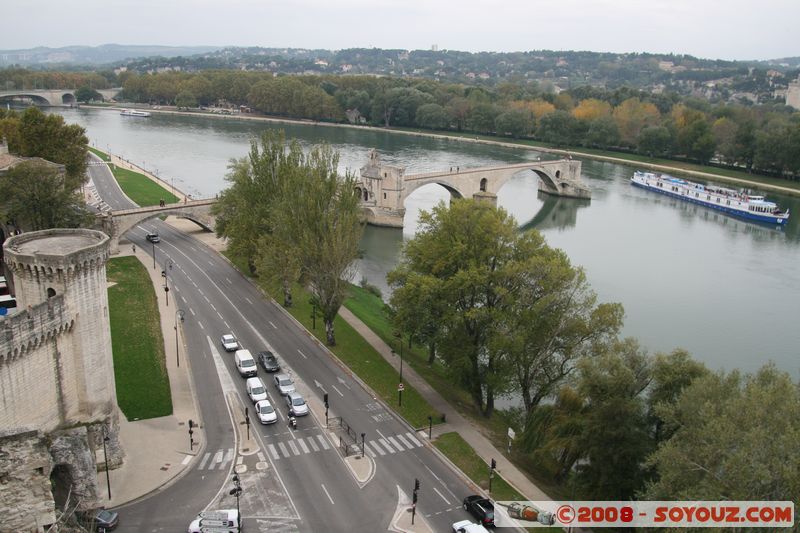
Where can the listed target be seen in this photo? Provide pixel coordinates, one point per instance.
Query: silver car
(297, 404)
(284, 384)
(229, 342)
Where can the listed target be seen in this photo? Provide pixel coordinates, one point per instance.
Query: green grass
(475, 467)
(143, 389)
(358, 355)
(102, 155)
(140, 188)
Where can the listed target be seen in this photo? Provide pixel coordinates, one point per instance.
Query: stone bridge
(383, 189)
(52, 97)
(116, 223)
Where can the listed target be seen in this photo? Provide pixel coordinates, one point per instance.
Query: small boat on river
(737, 203)
(134, 113)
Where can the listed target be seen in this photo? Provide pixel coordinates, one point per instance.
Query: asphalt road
(294, 482)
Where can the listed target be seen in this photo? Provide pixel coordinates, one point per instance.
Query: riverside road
(297, 481)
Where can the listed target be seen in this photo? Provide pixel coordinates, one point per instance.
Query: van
(245, 363)
(225, 520)
(256, 390)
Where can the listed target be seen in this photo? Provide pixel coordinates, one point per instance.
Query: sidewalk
(455, 422)
(156, 450)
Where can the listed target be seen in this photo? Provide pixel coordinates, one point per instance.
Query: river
(724, 289)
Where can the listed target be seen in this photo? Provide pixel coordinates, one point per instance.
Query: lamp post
(105, 457)
(399, 337)
(179, 314)
(164, 274)
(154, 254)
(237, 491)
(362, 444)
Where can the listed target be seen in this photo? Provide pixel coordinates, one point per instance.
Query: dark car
(105, 520)
(268, 361)
(152, 237)
(481, 508)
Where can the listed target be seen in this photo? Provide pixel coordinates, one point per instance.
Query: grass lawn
(139, 366)
(359, 356)
(102, 155)
(142, 189)
(476, 468)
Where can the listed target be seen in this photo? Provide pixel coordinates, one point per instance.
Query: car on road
(266, 413)
(256, 389)
(481, 508)
(105, 520)
(152, 237)
(284, 384)
(465, 526)
(229, 342)
(245, 364)
(297, 404)
(268, 361)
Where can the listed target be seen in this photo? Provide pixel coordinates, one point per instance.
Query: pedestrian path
(391, 444)
(216, 460)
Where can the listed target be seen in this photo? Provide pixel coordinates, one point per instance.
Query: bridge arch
(35, 98)
(68, 99)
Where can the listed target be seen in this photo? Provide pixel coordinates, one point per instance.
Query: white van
(225, 520)
(256, 389)
(245, 363)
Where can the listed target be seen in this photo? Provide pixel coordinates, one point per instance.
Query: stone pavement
(144, 471)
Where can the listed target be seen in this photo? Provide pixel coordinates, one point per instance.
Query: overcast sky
(717, 29)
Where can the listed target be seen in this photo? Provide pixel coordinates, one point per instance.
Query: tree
(558, 128)
(632, 116)
(602, 133)
(432, 116)
(735, 438)
(185, 99)
(87, 94)
(48, 137)
(322, 213)
(35, 196)
(516, 123)
(482, 118)
(672, 373)
(655, 141)
(592, 109)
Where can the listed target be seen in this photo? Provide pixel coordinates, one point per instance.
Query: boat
(737, 203)
(134, 113)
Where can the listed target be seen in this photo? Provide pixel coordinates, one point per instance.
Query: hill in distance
(93, 55)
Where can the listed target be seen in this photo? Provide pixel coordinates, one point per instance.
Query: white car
(297, 404)
(284, 384)
(465, 526)
(229, 342)
(266, 413)
(256, 389)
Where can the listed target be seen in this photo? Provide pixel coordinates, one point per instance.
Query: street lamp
(154, 254)
(179, 314)
(399, 337)
(166, 279)
(105, 457)
(237, 491)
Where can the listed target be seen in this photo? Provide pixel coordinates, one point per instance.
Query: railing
(346, 433)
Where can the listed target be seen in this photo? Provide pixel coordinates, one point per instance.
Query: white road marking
(204, 461)
(293, 447)
(326, 494)
(273, 451)
(413, 439)
(313, 444)
(284, 450)
(441, 496)
(386, 445)
(201, 325)
(396, 445)
(404, 441)
(229, 280)
(210, 263)
(192, 311)
(301, 353)
(261, 457)
(186, 460)
(273, 325)
(337, 390)
(323, 442)
(220, 316)
(375, 445)
(302, 444)
(217, 458)
(248, 300)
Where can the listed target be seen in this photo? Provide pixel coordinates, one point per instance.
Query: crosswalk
(285, 449)
(217, 460)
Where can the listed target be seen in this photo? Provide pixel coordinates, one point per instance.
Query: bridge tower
(381, 192)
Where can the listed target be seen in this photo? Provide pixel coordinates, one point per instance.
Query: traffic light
(191, 424)
(325, 399)
(494, 464)
(414, 498)
(416, 485)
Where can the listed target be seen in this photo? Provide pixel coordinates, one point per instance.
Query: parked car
(297, 404)
(105, 520)
(465, 526)
(266, 413)
(152, 237)
(268, 361)
(256, 389)
(481, 508)
(284, 384)
(229, 342)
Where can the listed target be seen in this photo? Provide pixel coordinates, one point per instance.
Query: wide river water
(724, 289)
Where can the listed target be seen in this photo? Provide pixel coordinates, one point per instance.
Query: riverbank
(658, 165)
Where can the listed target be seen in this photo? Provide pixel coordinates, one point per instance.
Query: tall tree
(35, 196)
(735, 438)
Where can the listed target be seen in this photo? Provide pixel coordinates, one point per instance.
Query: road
(294, 482)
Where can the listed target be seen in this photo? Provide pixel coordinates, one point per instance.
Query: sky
(713, 29)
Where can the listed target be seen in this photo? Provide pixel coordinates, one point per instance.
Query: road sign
(511, 434)
(401, 388)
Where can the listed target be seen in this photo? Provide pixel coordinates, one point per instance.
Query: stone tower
(58, 398)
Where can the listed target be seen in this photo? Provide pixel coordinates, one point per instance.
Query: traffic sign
(401, 387)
